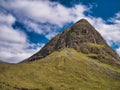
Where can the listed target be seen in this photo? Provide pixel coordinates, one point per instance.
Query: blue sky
(27, 25)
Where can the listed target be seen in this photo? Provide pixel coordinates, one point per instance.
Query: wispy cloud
(110, 32)
(46, 18)
(43, 11)
(13, 43)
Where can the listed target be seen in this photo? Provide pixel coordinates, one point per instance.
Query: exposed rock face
(82, 37)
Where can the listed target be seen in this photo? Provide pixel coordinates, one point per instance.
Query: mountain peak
(82, 37)
(82, 20)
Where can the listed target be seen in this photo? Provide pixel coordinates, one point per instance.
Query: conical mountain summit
(83, 37)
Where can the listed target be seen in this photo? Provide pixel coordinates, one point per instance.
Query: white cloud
(110, 32)
(33, 26)
(118, 15)
(45, 11)
(51, 35)
(118, 51)
(16, 52)
(6, 19)
(13, 43)
(9, 35)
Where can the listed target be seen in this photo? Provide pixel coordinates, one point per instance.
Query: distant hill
(2, 62)
(76, 59)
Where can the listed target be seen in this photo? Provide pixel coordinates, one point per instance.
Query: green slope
(65, 69)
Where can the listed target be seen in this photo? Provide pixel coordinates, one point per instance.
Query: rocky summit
(83, 37)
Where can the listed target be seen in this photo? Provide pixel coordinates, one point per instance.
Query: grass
(62, 70)
(95, 45)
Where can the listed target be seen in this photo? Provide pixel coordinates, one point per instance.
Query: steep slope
(83, 38)
(65, 69)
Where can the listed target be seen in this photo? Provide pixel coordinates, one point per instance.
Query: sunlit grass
(62, 70)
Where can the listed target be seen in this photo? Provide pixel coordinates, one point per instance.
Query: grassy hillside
(65, 69)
